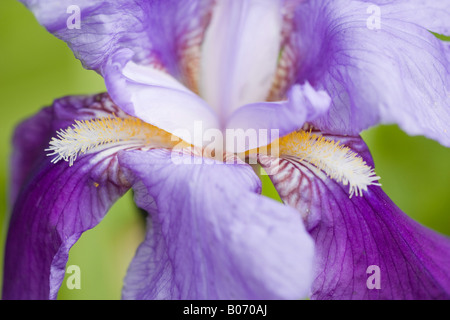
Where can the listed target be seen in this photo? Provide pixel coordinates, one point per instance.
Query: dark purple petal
(51, 212)
(32, 136)
(211, 236)
(53, 204)
(30, 139)
(354, 234)
(398, 73)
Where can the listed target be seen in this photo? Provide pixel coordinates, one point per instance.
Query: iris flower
(315, 72)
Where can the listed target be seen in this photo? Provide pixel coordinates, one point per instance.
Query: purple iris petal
(32, 136)
(213, 236)
(157, 98)
(164, 34)
(398, 73)
(46, 221)
(354, 236)
(47, 216)
(304, 104)
(156, 31)
(429, 14)
(239, 54)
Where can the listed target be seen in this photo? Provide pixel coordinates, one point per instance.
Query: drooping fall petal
(211, 235)
(53, 202)
(391, 70)
(353, 234)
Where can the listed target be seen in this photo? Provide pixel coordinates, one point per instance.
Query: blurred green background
(36, 68)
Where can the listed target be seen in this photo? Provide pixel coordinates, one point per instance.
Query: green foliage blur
(36, 68)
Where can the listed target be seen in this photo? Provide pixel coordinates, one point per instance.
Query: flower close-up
(203, 98)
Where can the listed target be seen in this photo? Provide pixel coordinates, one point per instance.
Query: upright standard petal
(165, 33)
(54, 203)
(377, 68)
(366, 247)
(240, 54)
(430, 14)
(211, 235)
